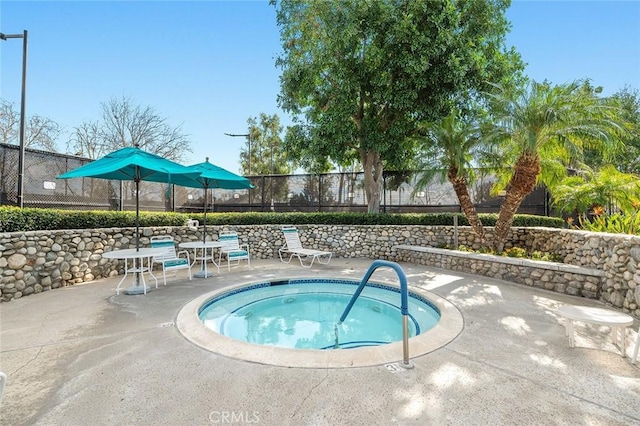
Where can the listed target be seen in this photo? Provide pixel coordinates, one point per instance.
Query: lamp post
(271, 178)
(248, 136)
(23, 36)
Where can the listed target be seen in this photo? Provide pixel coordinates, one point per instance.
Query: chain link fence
(330, 192)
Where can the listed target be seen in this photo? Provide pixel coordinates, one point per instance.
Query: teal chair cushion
(174, 263)
(241, 253)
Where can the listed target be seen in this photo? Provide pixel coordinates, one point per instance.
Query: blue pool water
(303, 314)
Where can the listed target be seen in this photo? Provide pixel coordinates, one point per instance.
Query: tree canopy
(359, 75)
(542, 131)
(40, 132)
(127, 124)
(267, 156)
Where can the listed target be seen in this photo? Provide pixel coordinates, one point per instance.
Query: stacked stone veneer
(32, 262)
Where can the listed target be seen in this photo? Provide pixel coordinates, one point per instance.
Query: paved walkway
(81, 355)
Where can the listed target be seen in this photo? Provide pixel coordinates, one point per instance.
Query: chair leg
(634, 356)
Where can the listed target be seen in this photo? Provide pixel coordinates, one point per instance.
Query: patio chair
(293, 248)
(169, 259)
(232, 249)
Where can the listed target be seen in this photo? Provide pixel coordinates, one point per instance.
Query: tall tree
(267, 155)
(628, 159)
(551, 126)
(448, 148)
(86, 141)
(126, 124)
(40, 132)
(358, 74)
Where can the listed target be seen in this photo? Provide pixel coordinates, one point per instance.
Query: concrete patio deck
(82, 355)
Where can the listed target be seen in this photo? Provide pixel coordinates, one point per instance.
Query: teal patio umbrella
(134, 164)
(212, 176)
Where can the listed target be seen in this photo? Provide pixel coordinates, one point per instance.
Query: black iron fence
(330, 192)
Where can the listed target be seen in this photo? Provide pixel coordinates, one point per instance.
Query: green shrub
(13, 219)
(619, 223)
(515, 252)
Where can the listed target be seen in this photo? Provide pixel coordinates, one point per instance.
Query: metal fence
(330, 192)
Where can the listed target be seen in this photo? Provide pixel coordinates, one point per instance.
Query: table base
(203, 274)
(136, 289)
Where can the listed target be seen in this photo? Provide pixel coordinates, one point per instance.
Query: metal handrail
(404, 303)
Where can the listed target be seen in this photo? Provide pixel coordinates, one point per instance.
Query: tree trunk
(372, 179)
(460, 187)
(522, 183)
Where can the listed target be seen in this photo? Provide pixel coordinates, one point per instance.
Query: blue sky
(209, 65)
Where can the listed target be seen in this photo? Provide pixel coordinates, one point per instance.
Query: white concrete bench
(618, 322)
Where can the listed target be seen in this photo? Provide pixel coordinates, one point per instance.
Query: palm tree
(546, 124)
(449, 147)
(607, 188)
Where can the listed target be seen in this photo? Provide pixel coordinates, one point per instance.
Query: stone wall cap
(553, 266)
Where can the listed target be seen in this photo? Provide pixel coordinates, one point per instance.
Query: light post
(23, 36)
(248, 136)
(271, 178)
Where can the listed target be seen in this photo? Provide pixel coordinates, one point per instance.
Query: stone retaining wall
(558, 277)
(32, 262)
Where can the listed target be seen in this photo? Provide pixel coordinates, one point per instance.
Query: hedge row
(13, 219)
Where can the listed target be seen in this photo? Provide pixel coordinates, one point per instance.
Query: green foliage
(449, 147)
(359, 75)
(267, 155)
(540, 133)
(27, 219)
(619, 223)
(516, 252)
(627, 159)
(546, 257)
(606, 187)
(13, 219)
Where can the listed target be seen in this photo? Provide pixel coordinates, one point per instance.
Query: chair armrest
(186, 253)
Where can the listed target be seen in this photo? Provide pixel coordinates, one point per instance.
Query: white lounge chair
(169, 259)
(232, 249)
(293, 248)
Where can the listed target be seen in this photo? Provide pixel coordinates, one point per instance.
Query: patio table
(138, 269)
(203, 246)
(618, 322)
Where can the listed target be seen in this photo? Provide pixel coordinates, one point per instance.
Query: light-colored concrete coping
(192, 328)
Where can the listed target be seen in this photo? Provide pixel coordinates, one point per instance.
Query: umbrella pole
(204, 220)
(137, 214)
(204, 272)
(138, 262)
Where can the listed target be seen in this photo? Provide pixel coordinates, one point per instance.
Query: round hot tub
(295, 323)
(305, 314)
